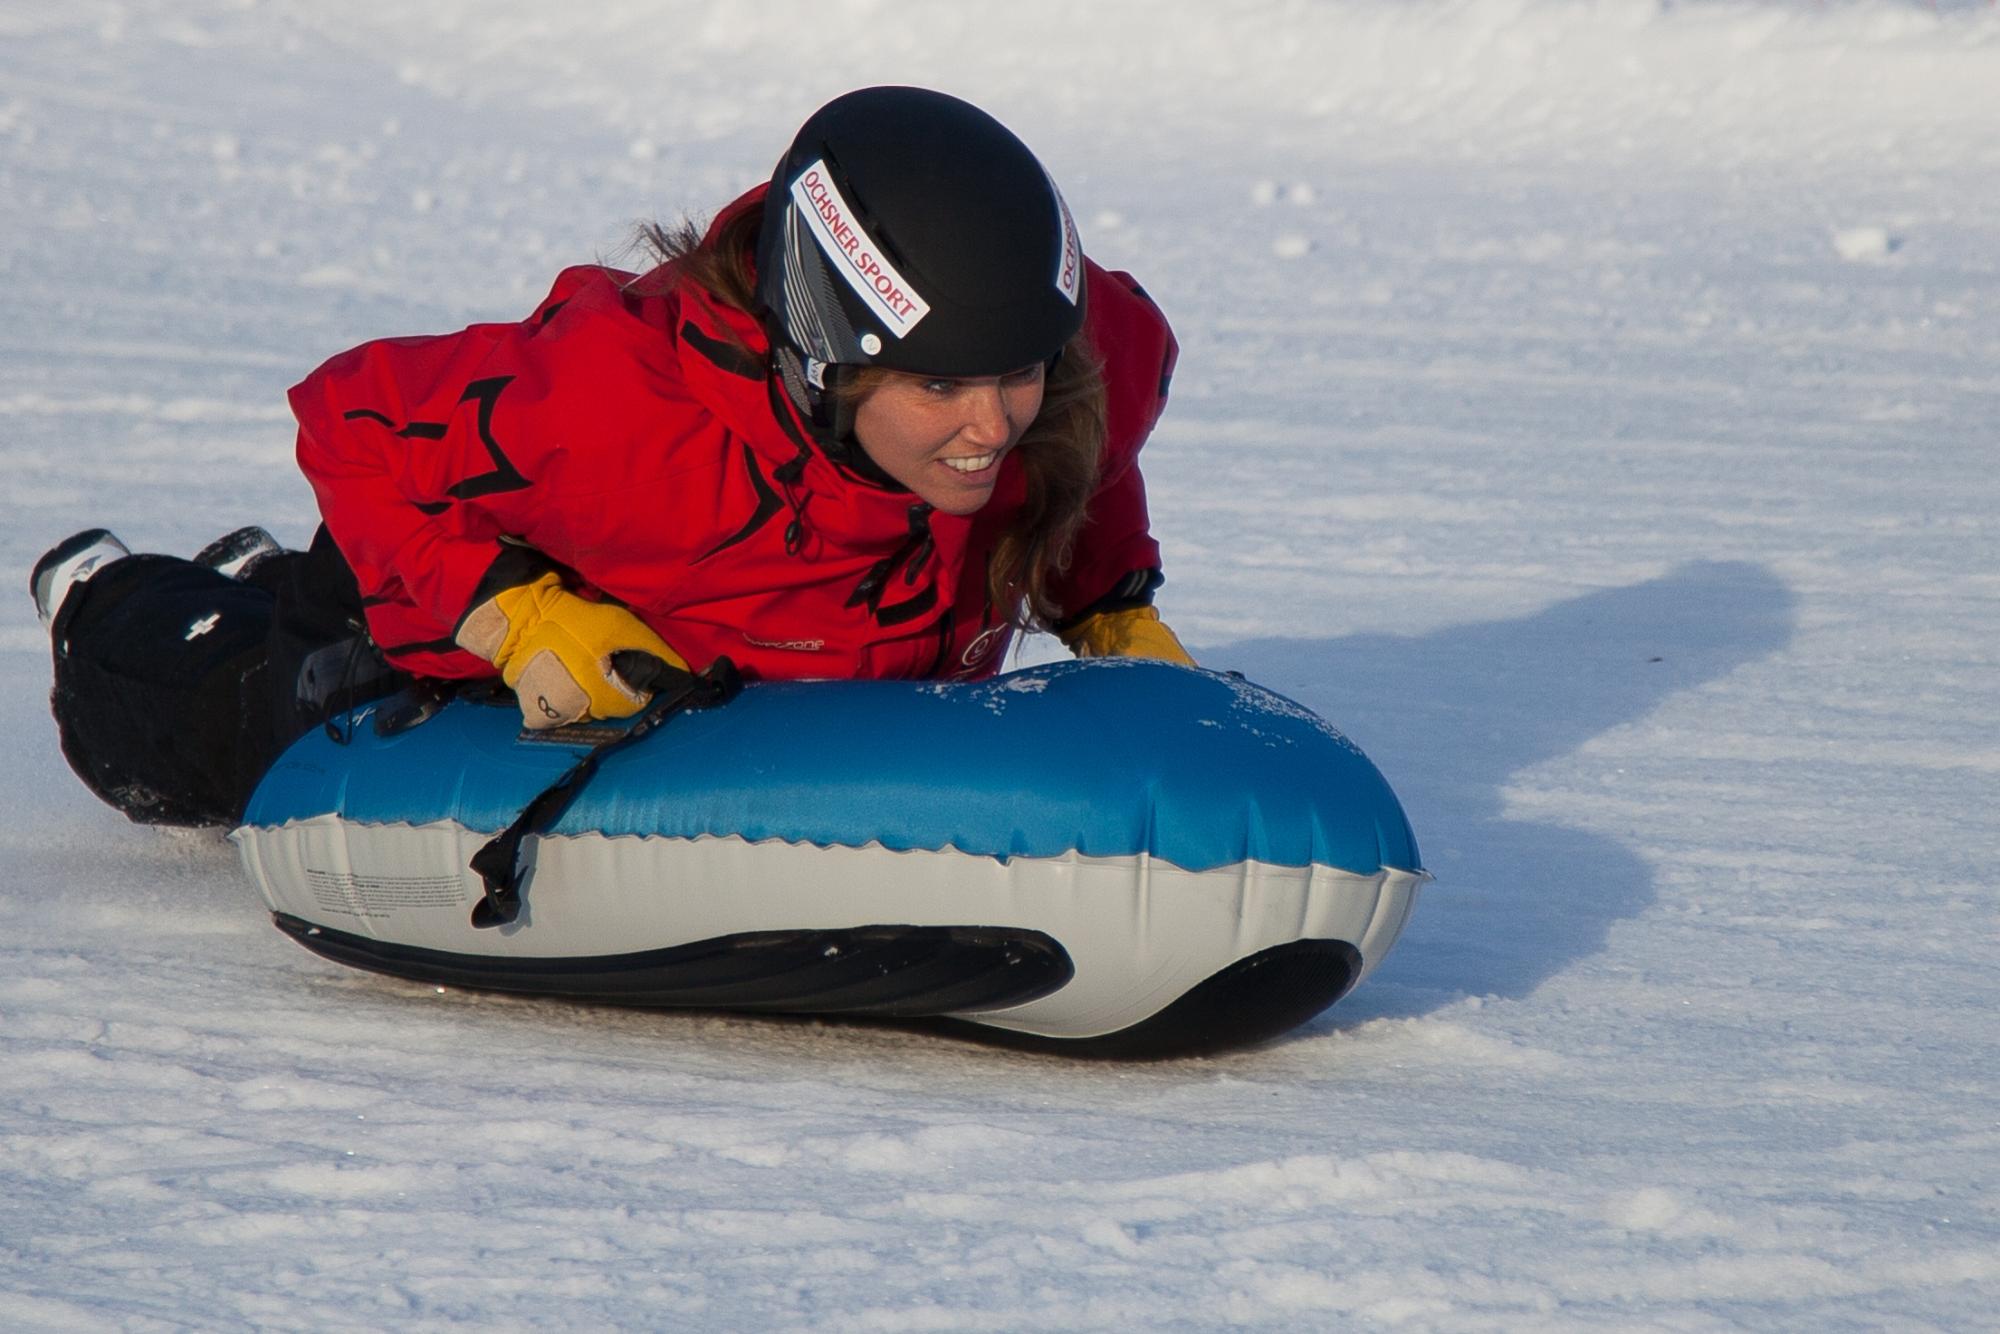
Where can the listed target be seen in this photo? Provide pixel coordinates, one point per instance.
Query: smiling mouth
(975, 463)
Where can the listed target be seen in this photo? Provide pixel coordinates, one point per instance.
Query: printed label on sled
(350, 895)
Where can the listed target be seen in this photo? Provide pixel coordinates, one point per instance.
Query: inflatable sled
(1114, 857)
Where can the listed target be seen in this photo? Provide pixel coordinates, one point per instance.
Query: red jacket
(631, 440)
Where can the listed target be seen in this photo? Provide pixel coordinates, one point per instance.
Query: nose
(986, 421)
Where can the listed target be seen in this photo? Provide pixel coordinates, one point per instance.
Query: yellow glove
(554, 648)
(1136, 632)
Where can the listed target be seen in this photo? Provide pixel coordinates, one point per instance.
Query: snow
(1586, 405)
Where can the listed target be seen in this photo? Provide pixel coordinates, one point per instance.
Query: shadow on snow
(1451, 716)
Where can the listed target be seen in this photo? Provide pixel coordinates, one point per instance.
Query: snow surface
(1588, 407)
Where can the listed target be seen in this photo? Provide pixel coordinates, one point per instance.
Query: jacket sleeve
(1115, 557)
(424, 458)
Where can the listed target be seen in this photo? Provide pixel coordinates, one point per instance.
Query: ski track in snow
(1587, 407)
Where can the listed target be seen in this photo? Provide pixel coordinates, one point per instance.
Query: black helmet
(908, 229)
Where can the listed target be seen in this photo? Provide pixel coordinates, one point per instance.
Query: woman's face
(944, 438)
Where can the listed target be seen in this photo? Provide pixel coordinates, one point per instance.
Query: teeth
(974, 464)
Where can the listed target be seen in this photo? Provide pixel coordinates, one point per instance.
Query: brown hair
(1059, 451)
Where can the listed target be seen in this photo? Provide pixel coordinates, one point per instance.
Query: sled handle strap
(674, 690)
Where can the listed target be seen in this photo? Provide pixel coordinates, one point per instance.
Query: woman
(882, 414)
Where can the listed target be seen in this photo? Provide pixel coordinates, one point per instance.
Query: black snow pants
(176, 687)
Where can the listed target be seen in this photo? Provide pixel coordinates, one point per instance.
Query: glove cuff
(1135, 632)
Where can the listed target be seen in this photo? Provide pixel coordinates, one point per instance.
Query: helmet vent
(854, 254)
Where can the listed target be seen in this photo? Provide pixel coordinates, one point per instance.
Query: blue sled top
(1107, 758)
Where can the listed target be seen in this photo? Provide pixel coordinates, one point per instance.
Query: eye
(1026, 375)
(940, 388)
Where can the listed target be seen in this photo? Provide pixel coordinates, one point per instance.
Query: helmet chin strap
(813, 388)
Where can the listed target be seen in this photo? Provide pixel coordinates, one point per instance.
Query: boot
(67, 564)
(234, 553)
